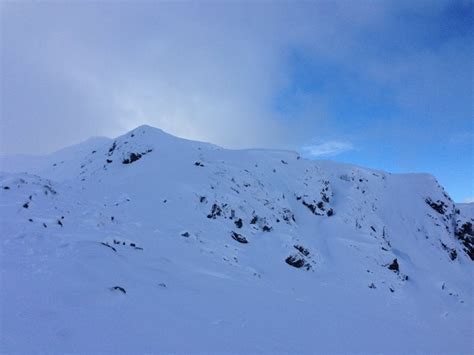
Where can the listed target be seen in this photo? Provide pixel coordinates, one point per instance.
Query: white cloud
(469, 200)
(200, 71)
(330, 148)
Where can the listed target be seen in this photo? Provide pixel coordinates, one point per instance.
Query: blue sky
(387, 85)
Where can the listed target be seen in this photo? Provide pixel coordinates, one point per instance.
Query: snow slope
(151, 243)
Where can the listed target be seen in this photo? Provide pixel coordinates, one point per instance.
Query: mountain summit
(152, 243)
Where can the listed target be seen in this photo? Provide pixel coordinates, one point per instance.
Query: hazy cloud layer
(330, 148)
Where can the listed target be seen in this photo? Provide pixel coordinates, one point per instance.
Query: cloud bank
(226, 73)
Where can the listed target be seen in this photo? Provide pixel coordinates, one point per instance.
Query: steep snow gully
(152, 243)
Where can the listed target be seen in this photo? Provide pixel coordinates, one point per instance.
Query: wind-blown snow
(151, 243)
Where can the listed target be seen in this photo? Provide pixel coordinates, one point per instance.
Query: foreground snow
(150, 243)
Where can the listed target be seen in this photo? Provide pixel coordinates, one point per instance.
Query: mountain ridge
(284, 252)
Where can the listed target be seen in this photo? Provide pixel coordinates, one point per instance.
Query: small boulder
(118, 288)
(266, 228)
(240, 238)
(297, 262)
(132, 158)
(239, 223)
(394, 266)
(215, 211)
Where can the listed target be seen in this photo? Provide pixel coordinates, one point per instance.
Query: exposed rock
(453, 254)
(439, 206)
(317, 208)
(215, 211)
(394, 266)
(118, 288)
(132, 158)
(311, 207)
(297, 262)
(239, 223)
(324, 197)
(112, 148)
(465, 234)
(109, 246)
(240, 238)
(288, 216)
(301, 249)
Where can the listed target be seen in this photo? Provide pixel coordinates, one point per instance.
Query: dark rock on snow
(240, 238)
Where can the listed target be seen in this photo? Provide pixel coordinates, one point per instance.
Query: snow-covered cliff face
(151, 243)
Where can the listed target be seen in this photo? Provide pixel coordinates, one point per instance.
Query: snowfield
(154, 244)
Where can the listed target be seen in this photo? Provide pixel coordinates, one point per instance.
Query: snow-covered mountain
(152, 243)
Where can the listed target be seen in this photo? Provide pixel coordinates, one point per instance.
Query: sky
(382, 84)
